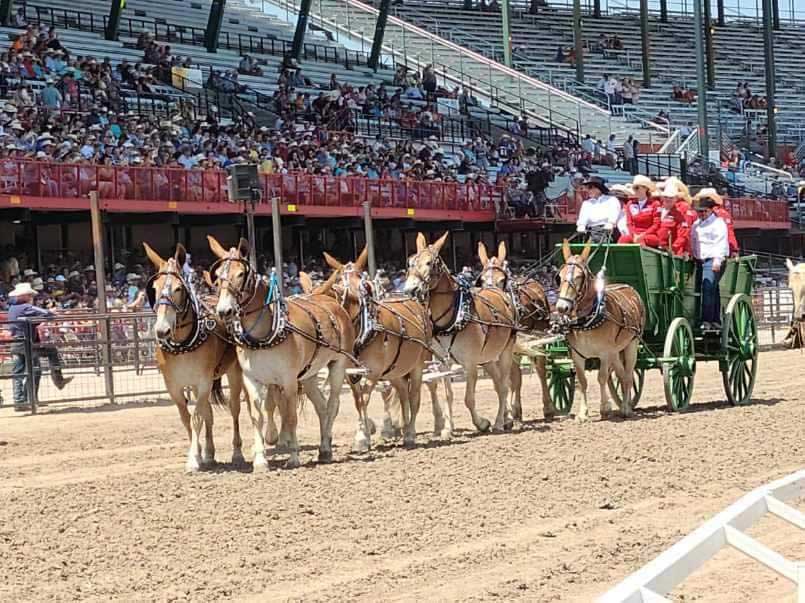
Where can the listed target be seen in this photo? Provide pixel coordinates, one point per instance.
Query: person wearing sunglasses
(709, 245)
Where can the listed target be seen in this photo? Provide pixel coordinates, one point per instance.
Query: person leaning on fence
(709, 246)
(599, 212)
(22, 308)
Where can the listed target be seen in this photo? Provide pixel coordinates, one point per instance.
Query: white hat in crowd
(21, 290)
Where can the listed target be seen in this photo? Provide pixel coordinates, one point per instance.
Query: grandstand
(457, 171)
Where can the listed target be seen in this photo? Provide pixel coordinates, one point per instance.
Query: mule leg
(447, 432)
(604, 372)
(481, 424)
(272, 399)
(414, 400)
(629, 363)
(391, 410)
(257, 408)
(581, 378)
(289, 404)
(176, 392)
(438, 415)
(235, 380)
(336, 376)
(363, 440)
(315, 395)
(204, 407)
(516, 378)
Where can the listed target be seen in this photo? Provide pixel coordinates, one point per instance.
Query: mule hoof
(192, 466)
(237, 457)
(372, 426)
(325, 457)
(582, 418)
(409, 444)
(391, 434)
(483, 425)
(446, 435)
(260, 463)
(549, 417)
(293, 463)
(360, 445)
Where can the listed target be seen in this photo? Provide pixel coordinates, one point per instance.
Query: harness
(281, 326)
(367, 324)
(202, 322)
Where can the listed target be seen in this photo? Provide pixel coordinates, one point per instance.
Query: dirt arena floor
(95, 505)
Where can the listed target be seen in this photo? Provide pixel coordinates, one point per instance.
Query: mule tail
(217, 397)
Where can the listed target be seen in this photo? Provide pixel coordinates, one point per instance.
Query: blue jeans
(707, 284)
(20, 378)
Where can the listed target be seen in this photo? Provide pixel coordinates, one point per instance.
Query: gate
(110, 358)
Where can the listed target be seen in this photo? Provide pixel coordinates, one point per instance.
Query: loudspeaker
(242, 180)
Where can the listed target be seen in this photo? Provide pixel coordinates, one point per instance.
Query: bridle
(485, 279)
(220, 270)
(165, 297)
(579, 293)
(438, 269)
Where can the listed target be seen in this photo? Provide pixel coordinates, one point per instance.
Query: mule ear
(181, 254)
(208, 278)
(585, 253)
(157, 261)
(437, 246)
(363, 258)
(326, 287)
(566, 250)
(243, 247)
(482, 255)
(788, 263)
(332, 262)
(305, 282)
(216, 247)
(421, 242)
(502, 251)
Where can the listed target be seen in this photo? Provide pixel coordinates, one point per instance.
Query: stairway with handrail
(354, 22)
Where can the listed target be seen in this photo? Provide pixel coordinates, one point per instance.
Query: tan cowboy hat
(709, 193)
(644, 181)
(22, 290)
(622, 190)
(669, 191)
(681, 188)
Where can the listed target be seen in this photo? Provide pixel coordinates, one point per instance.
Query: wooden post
(100, 284)
(369, 234)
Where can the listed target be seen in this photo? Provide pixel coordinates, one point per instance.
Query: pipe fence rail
(107, 358)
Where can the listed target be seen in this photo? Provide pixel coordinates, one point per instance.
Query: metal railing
(108, 357)
(244, 43)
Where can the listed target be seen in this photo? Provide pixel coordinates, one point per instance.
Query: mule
(193, 353)
(283, 343)
(392, 344)
(796, 282)
(532, 311)
(475, 327)
(601, 322)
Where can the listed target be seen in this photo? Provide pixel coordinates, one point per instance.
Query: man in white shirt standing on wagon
(600, 211)
(709, 245)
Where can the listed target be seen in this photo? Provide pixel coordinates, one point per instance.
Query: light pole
(704, 143)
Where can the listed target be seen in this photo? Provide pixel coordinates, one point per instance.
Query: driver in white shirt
(709, 244)
(600, 211)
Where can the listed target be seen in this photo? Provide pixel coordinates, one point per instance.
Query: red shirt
(641, 220)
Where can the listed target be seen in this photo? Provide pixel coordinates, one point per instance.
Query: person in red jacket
(641, 213)
(722, 212)
(675, 217)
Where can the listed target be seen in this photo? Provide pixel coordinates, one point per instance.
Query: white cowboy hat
(21, 290)
(709, 193)
(644, 181)
(670, 190)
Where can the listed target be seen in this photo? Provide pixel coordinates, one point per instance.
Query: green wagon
(671, 341)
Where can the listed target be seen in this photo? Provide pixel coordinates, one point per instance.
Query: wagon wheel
(637, 386)
(679, 364)
(562, 387)
(739, 346)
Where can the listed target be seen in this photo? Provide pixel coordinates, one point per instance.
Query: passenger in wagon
(641, 213)
(600, 211)
(671, 230)
(722, 212)
(709, 245)
(624, 194)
